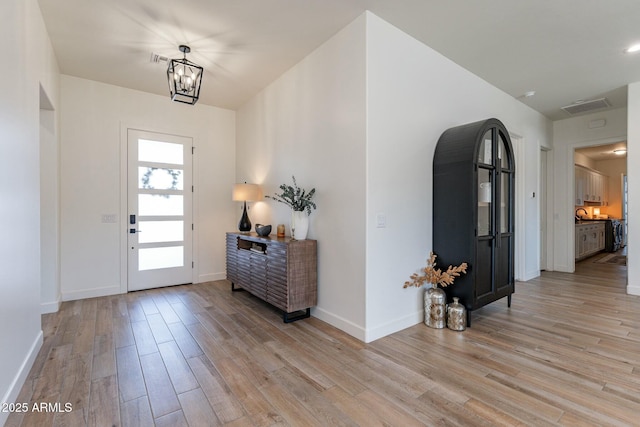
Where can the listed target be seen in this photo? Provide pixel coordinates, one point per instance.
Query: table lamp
(246, 193)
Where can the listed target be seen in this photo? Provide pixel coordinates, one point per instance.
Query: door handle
(134, 231)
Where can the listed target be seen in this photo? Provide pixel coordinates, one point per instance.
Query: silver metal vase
(435, 302)
(456, 316)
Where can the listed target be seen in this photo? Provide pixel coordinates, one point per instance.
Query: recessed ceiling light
(620, 151)
(632, 48)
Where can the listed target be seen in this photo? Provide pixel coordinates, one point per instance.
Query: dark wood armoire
(473, 211)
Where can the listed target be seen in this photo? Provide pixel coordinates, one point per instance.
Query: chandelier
(184, 78)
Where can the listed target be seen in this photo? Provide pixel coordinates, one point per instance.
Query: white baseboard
(50, 307)
(395, 326)
(530, 275)
(115, 290)
(368, 335)
(211, 277)
(91, 293)
(340, 323)
(633, 289)
(562, 269)
(14, 389)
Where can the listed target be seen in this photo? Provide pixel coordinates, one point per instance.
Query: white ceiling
(604, 152)
(564, 50)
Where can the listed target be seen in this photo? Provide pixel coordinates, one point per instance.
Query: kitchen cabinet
(590, 239)
(473, 211)
(590, 187)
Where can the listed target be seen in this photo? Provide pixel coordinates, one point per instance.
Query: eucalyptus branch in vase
(295, 197)
(299, 200)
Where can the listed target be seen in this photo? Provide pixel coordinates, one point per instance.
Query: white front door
(159, 222)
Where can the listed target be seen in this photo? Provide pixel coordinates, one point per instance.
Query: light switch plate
(109, 218)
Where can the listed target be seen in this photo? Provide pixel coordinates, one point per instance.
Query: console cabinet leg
(292, 317)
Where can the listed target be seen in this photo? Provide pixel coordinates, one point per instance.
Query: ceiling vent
(158, 59)
(579, 107)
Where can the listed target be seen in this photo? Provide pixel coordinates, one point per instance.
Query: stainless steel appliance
(613, 235)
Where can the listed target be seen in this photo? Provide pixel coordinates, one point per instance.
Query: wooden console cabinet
(280, 271)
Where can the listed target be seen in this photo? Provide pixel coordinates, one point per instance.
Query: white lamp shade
(246, 192)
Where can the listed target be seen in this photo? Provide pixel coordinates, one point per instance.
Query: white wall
(633, 181)
(311, 123)
(568, 135)
(581, 159)
(413, 95)
(370, 153)
(94, 116)
(23, 39)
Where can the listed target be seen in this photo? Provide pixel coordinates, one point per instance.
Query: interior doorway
(49, 208)
(600, 195)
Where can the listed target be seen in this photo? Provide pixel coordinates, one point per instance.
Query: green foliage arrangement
(295, 197)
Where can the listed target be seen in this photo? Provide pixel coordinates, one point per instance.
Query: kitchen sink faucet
(578, 217)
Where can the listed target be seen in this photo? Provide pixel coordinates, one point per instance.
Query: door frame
(517, 145)
(545, 247)
(124, 214)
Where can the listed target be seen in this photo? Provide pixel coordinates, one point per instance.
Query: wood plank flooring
(566, 353)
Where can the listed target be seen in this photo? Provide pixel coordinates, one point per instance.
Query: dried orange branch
(434, 275)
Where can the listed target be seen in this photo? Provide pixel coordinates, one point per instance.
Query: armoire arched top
(454, 143)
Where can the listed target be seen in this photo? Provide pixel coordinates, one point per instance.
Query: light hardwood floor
(566, 353)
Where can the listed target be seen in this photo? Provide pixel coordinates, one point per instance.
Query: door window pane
(160, 231)
(160, 178)
(485, 197)
(160, 152)
(485, 151)
(160, 205)
(503, 153)
(155, 258)
(504, 203)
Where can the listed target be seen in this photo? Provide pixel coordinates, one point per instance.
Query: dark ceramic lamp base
(244, 224)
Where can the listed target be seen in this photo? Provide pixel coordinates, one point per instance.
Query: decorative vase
(456, 316)
(244, 225)
(299, 225)
(435, 301)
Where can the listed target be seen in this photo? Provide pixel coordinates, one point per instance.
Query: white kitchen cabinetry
(590, 186)
(589, 239)
(580, 190)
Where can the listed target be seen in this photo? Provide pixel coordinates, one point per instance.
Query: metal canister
(435, 301)
(456, 316)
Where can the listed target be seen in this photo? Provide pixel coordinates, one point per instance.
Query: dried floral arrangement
(434, 275)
